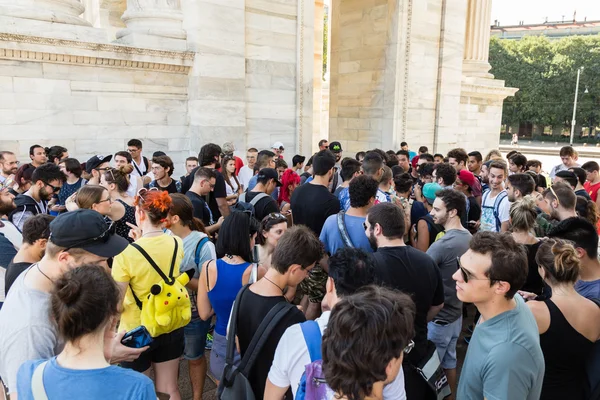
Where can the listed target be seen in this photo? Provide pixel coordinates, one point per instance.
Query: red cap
(415, 161)
(467, 177)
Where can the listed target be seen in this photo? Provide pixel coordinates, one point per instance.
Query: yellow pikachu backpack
(168, 306)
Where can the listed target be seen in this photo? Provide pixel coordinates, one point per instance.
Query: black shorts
(164, 348)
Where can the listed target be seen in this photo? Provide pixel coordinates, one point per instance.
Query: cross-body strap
(169, 279)
(312, 337)
(262, 334)
(242, 197)
(596, 301)
(341, 224)
(37, 382)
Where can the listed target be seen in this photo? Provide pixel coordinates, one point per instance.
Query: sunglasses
(466, 274)
(554, 193)
(55, 189)
(103, 169)
(144, 191)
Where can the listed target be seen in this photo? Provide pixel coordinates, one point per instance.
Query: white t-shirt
(244, 176)
(488, 221)
(231, 190)
(139, 169)
(292, 356)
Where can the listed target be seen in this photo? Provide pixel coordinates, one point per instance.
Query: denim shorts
(445, 338)
(195, 338)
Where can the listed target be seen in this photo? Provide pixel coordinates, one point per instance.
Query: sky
(510, 12)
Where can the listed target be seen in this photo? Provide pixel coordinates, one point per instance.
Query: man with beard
(7, 229)
(8, 165)
(37, 154)
(36, 231)
(27, 331)
(46, 182)
(210, 157)
(446, 326)
(407, 269)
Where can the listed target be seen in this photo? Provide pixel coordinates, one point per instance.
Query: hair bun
(69, 292)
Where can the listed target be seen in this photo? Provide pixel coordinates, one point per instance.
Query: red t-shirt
(592, 190)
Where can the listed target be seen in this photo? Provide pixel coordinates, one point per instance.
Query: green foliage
(545, 72)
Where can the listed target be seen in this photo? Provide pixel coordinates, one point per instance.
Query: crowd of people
(331, 277)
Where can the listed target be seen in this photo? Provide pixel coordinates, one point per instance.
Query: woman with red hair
(135, 275)
(289, 182)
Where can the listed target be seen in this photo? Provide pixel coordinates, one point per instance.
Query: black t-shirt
(312, 204)
(416, 274)
(171, 188)
(218, 192)
(201, 210)
(534, 282)
(263, 207)
(12, 273)
(474, 209)
(253, 309)
(583, 193)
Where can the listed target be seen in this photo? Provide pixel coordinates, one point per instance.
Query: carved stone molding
(42, 49)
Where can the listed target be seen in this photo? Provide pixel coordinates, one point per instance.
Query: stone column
(153, 23)
(477, 39)
(56, 11)
(48, 18)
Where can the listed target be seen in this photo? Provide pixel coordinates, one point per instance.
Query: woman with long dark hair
(221, 280)
(232, 184)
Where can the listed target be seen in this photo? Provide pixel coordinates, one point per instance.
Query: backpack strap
(232, 329)
(37, 382)
(145, 161)
(201, 243)
(503, 195)
(262, 334)
(312, 337)
(341, 224)
(258, 198)
(242, 197)
(596, 301)
(169, 280)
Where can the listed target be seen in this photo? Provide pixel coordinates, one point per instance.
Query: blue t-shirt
(112, 382)
(252, 182)
(504, 359)
(344, 197)
(589, 290)
(330, 235)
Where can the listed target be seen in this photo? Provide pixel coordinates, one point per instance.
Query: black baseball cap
(298, 159)
(335, 147)
(87, 230)
(93, 162)
(269, 173)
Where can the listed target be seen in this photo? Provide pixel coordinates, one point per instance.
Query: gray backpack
(248, 207)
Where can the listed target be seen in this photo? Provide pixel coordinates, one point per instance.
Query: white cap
(277, 145)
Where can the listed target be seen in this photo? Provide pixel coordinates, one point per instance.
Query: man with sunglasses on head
(405, 268)
(204, 183)
(46, 182)
(27, 331)
(504, 359)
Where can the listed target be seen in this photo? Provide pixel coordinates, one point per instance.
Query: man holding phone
(26, 329)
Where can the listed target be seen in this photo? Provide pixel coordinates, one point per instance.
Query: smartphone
(137, 338)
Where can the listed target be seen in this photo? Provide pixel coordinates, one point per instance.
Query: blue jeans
(195, 338)
(445, 338)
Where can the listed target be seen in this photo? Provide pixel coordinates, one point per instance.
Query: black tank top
(565, 354)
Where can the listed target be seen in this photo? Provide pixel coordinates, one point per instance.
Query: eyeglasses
(466, 274)
(326, 147)
(133, 150)
(212, 186)
(102, 201)
(409, 347)
(554, 193)
(55, 189)
(365, 226)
